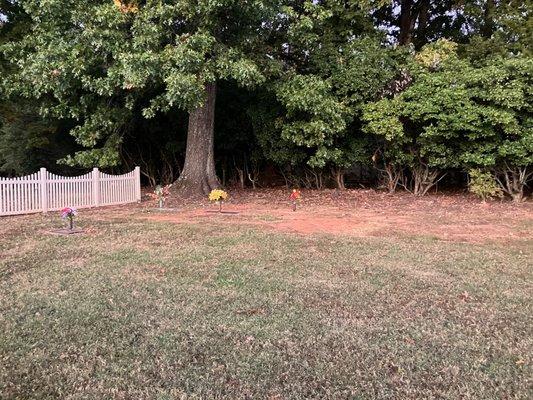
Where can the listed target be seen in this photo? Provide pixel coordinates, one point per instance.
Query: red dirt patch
(366, 213)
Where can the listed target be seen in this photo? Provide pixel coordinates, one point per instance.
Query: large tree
(98, 62)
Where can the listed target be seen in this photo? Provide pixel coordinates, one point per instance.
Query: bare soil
(365, 213)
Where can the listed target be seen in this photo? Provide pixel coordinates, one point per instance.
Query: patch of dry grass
(144, 309)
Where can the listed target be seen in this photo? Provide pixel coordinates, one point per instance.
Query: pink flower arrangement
(69, 213)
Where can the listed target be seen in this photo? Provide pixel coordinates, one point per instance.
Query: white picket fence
(44, 191)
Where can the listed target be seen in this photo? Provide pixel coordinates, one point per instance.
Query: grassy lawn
(140, 309)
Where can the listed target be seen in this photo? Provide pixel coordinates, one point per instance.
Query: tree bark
(423, 20)
(487, 29)
(338, 175)
(198, 176)
(512, 180)
(407, 22)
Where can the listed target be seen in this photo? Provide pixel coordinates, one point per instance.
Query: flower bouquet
(218, 196)
(69, 213)
(160, 193)
(294, 197)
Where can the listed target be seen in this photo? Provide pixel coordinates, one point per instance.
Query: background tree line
(406, 93)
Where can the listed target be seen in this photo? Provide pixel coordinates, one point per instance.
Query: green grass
(137, 309)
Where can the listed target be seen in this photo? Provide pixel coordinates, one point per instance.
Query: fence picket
(43, 191)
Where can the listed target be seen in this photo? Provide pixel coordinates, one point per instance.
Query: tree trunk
(423, 20)
(487, 28)
(338, 175)
(424, 178)
(514, 180)
(392, 176)
(198, 176)
(407, 22)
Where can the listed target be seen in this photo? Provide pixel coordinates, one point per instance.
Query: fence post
(96, 187)
(44, 190)
(137, 175)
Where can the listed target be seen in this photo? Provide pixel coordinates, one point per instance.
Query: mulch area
(363, 213)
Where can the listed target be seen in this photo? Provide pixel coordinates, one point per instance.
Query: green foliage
(27, 141)
(457, 115)
(22, 136)
(498, 28)
(336, 64)
(94, 62)
(483, 184)
(311, 96)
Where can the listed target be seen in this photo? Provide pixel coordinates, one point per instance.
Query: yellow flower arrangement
(218, 195)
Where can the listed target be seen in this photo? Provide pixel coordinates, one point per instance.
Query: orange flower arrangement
(160, 193)
(294, 197)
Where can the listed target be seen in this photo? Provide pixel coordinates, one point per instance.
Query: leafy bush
(483, 184)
